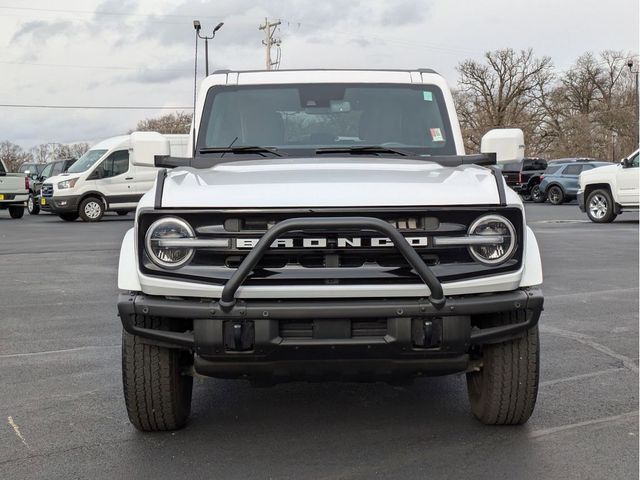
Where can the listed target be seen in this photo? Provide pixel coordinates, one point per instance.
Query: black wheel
(91, 209)
(16, 211)
(504, 390)
(536, 194)
(157, 392)
(599, 207)
(122, 213)
(32, 206)
(68, 217)
(555, 195)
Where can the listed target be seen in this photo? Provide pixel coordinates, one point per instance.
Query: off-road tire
(606, 203)
(122, 213)
(536, 194)
(505, 389)
(555, 194)
(69, 217)
(91, 209)
(32, 206)
(16, 211)
(157, 392)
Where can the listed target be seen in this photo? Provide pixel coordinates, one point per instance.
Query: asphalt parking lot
(63, 415)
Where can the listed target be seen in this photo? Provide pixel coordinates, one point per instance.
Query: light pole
(197, 26)
(636, 71)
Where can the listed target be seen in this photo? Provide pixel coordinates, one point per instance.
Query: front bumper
(68, 204)
(251, 338)
(581, 204)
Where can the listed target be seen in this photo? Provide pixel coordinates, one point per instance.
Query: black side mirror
(625, 163)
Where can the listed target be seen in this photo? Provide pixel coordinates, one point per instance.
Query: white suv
(607, 191)
(328, 224)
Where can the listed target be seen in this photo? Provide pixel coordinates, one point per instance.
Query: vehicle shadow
(348, 429)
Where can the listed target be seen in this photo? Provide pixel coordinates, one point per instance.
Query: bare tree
(593, 108)
(587, 110)
(73, 150)
(504, 91)
(42, 153)
(179, 122)
(12, 155)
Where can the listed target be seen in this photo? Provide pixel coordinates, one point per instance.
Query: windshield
(86, 161)
(34, 168)
(296, 118)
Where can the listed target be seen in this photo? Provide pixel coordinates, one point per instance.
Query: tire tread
(157, 394)
(504, 392)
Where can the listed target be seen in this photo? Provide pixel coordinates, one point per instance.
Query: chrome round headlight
(162, 242)
(497, 252)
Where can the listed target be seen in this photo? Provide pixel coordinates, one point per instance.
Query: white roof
(262, 77)
(113, 142)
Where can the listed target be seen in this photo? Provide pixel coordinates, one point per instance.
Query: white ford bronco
(328, 225)
(608, 191)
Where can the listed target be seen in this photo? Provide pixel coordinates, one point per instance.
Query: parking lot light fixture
(197, 26)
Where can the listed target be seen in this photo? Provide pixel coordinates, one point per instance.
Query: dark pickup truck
(524, 177)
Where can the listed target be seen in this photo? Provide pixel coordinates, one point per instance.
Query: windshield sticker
(436, 135)
(428, 96)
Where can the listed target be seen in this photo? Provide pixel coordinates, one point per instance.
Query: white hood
(329, 182)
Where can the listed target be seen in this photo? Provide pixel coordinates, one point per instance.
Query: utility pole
(636, 72)
(269, 30)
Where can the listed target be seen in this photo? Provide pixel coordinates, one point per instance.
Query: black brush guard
(227, 300)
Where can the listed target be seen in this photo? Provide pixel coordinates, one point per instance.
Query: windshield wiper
(244, 149)
(364, 149)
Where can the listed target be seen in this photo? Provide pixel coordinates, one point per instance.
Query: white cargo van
(103, 179)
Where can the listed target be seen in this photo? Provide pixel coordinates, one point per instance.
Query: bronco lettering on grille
(338, 242)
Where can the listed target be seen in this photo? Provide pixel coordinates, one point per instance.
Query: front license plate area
(43, 201)
(1, 196)
(332, 329)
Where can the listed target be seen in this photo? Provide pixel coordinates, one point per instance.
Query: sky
(141, 52)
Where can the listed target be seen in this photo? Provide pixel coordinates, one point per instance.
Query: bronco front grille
(338, 258)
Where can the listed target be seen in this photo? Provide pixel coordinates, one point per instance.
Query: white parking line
(580, 377)
(54, 352)
(592, 293)
(552, 430)
(586, 340)
(16, 430)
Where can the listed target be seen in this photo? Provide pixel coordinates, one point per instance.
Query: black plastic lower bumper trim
(360, 369)
(70, 205)
(130, 305)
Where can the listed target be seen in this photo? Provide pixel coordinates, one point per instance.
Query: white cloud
(140, 52)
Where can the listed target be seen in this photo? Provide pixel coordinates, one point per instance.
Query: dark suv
(36, 201)
(524, 176)
(560, 181)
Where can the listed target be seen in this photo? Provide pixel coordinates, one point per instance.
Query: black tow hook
(239, 336)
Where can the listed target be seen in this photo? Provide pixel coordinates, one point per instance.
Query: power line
(92, 107)
(101, 12)
(66, 65)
